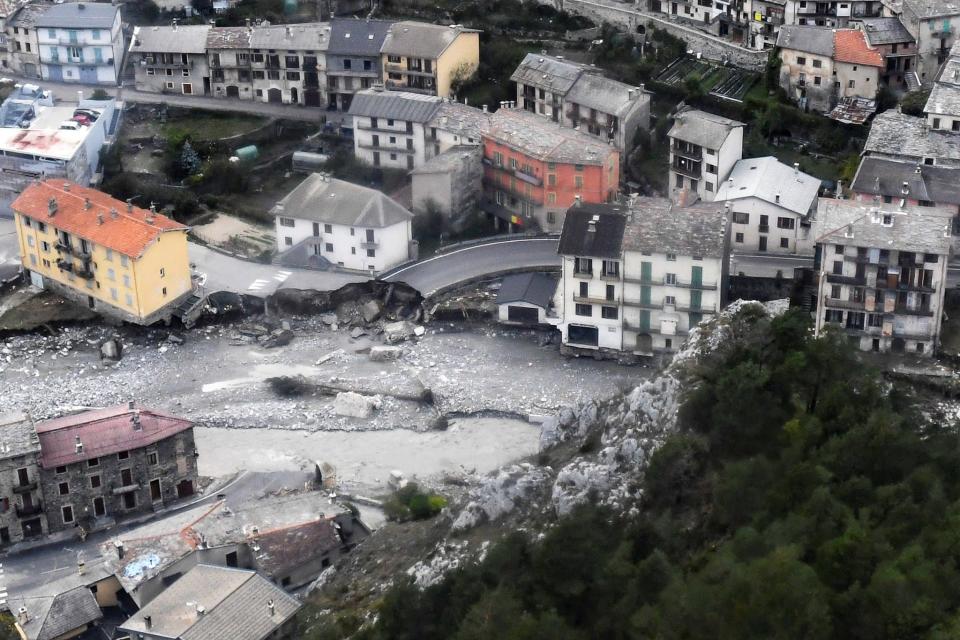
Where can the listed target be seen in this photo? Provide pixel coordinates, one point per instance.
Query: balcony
(592, 300)
(25, 488)
(839, 278)
(33, 510)
(369, 244)
(654, 305)
(612, 276)
(912, 311)
(64, 248)
(517, 173)
(836, 303)
(517, 192)
(84, 273)
(127, 488)
(582, 274)
(177, 64)
(687, 151)
(65, 265)
(385, 149)
(691, 170)
(688, 309)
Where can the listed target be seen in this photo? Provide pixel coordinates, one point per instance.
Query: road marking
(258, 284)
(280, 276)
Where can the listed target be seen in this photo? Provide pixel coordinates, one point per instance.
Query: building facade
(107, 255)
(534, 170)
(898, 48)
(934, 25)
(703, 150)
(80, 42)
(429, 58)
(171, 59)
(101, 464)
(882, 276)
(353, 59)
(325, 221)
(21, 501)
(389, 127)
(636, 279)
(452, 182)
(22, 46)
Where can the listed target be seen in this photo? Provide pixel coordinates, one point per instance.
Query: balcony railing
(25, 512)
(25, 488)
(593, 300)
(692, 171)
(662, 282)
(913, 311)
(687, 152)
(64, 265)
(385, 148)
(65, 248)
(127, 488)
(369, 244)
(837, 303)
(839, 278)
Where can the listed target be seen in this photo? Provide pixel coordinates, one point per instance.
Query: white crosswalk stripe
(280, 276)
(258, 284)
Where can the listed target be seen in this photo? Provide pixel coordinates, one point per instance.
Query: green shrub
(410, 503)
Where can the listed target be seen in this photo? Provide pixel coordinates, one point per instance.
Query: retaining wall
(628, 17)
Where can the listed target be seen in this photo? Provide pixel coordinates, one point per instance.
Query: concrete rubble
(355, 405)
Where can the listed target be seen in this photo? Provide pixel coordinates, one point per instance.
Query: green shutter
(646, 271)
(644, 295)
(644, 320)
(696, 278)
(696, 298)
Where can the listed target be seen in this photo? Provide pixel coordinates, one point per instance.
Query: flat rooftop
(44, 137)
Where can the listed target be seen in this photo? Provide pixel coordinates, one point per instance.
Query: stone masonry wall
(628, 17)
(176, 462)
(13, 500)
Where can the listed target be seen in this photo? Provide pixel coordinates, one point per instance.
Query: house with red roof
(103, 253)
(821, 67)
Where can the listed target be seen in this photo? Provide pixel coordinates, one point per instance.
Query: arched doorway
(898, 345)
(274, 95)
(233, 91)
(294, 96)
(645, 343)
(311, 98)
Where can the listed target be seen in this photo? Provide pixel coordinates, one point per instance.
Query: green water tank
(248, 153)
(289, 6)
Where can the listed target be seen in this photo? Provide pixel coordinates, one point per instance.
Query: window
(670, 278)
(61, 470)
(817, 80)
(111, 274)
(609, 313)
(740, 217)
(784, 243)
(711, 168)
(371, 253)
(833, 315)
(64, 488)
(552, 215)
(611, 268)
(163, 291)
(584, 266)
(875, 320)
(936, 123)
(785, 223)
(671, 257)
(124, 261)
(835, 291)
(851, 84)
(328, 228)
(287, 222)
(67, 512)
(93, 462)
(819, 63)
(801, 60)
(552, 199)
(919, 347)
(584, 310)
(113, 294)
(123, 455)
(162, 272)
(738, 238)
(578, 167)
(838, 267)
(708, 186)
(95, 482)
(153, 458)
(670, 300)
(328, 247)
(552, 179)
(578, 182)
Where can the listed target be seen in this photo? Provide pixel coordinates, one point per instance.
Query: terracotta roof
(103, 432)
(850, 45)
(126, 230)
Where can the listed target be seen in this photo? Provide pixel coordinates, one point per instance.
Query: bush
(409, 503)
(914, 102)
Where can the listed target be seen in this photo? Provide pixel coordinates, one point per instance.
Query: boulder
(174, 339)
(111, 350)
(370, 311)
(329, 318)
(355, 405)
(279, 338)
(356, 332)
(384, 354)
(394, 332)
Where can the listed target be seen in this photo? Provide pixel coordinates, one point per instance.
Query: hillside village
(310, 310)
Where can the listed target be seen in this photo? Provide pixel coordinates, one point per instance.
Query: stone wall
(175, 462)
(12, 496)
(628, 17)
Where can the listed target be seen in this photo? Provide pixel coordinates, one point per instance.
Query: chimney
(839, 192)
(80, 6)
(118, 544)
(577, 201)
(592, 224)
(113, 214)
(905, 189)
(918, 170)
(288, 31)
(796, 168)
(87, 204)
(52, 207)
(66, 187)
(777, 198)
(174, 24)
(22, 616)
(485, 110)
(99, 218)
(147, 622)
(271, 608)
(79, 97)
(81, 567)
(79, 446)
(200, 610)
(135, 420)
(129, 205)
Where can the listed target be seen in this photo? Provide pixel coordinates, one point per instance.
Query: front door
(129, 500)
(233, 91)
(311, 98)
(293, 96)
(185, 488)
(55, 72)
(696, 299)
(187, 88)
(88, 75)
(274, 95)
(206, 86)
(763, 243)
(155, 494)
(32, 528)
(99, 508)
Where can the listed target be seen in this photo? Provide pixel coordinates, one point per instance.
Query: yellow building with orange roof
(120, 260)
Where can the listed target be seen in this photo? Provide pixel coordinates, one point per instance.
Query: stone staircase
(912, 80)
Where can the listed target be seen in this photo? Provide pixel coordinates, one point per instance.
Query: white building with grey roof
(353, 58)
(215, 603)
(897, 136)
(934, 25)
(882, 273)
(171, 59)
(389, 127)
(328, 222)
(637, 278)
(888, 181)
(771, 206)
(580, 96)
(704, 147)
(943, 106)
(80, 42)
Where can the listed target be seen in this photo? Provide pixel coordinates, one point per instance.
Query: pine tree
(189, 159)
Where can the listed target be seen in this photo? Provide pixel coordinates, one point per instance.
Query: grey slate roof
(309, 36)
(53, 616)
(815, 40)
(461, 119)
(766, 179)
(26, 15)
(183, 39)
(705, 129)
(916, 229)
(451, 159)
(79, 15)
(900, 135)
(234, 602)
(545, 140)
(656, 226)
(605, 242)
(333, 201)
(945, 95)
(17, 436)
(548, 72)
(420, 39)
(932, 8)
(606, 95)
(881, 31)
(885, 177)
(535, 288)
(228, 38)
(350, 37)
(395, 105)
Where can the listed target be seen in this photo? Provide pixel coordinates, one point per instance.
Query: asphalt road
(448, 269)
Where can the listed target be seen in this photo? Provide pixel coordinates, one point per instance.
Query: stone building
(934, 25)
(452, 181)
(353, 58)
(898, 48)
(171, 59)
(704, 147)
(21, 508)
(99, 465)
